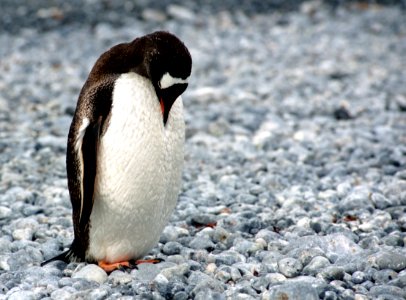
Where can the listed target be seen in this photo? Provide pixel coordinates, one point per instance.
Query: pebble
(388, 260)
(172, 248)
(119, 277)
(178, 270)
(202, 242)
(317, 264)
(293, 291)
(358, 277)
(290, 267)
(332, 273)
(91, 272)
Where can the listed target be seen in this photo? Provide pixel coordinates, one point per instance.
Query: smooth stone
(201, 281)
(5, 212)
(332, 273)
(176, 271)
(387, 290)
(358, 277)
(290, 267)
(202, 242)
(91, 272)
(171, 248)
(293, 291)
(384, 276)
(22, 295)
(388, 260)
(316, 265)
(119, 278)
(229, 258)
(147, 272)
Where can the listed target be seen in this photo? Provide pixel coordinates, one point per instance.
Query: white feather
(138, 173)
(81, 134)
(167, 81)
(78, 148)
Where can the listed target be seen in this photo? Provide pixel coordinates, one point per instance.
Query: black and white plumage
(125, 149)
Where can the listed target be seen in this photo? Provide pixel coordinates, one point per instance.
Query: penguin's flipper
(90, 122)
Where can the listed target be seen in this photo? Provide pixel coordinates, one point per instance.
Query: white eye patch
(167, 81)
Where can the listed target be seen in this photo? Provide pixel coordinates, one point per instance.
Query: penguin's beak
(168, 96)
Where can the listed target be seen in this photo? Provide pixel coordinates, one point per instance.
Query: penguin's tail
(67, 257)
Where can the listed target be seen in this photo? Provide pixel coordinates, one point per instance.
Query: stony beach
(294, 184)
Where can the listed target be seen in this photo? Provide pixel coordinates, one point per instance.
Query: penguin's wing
(89, 124)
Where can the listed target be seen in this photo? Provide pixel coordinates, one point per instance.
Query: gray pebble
(176, 271)
(202, 242)
(317, 264)
(172, 248)
(388, 260)
(22, 295)
(290, 267)
(119, 278)
(5, 212)
(293, 291)
(387, 291)
(332, 273)
(91, 272)
(228, 258)
(384, 276)
(358, 277)
(201, 282)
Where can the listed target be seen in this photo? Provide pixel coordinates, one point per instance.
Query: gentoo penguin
(125, 150)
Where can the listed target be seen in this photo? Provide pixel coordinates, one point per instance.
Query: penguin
(125, 151)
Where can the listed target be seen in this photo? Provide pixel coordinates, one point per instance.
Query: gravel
(295, 168)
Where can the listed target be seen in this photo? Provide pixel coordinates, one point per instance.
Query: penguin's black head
(159, 56)
(168, 64)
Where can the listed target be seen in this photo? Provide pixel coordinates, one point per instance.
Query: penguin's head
(160, 56)
(168, 64)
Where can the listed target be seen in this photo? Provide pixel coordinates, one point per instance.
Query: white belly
(138, 173)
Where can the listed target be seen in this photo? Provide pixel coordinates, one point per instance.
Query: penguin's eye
(167, 81)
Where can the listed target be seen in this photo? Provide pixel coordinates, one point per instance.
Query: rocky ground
(295, 175)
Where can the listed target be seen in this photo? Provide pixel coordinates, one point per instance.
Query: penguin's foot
(127, 265)
(110, 267)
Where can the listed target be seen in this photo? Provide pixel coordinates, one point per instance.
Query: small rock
(91, 272)
(388, 260)
(63, 294)
(227, 258)
(293, 291)
(5, 212)
(119, 278)
(172, 248)
(384, 276)
(176, 271)
(202, 242)
(147, 272)
(153, 15)
(358, 277)
(332, 273)
(400, 281)
(161, 283)
(392, 291)
(22, 295)
(316, 265)
(290, 267)
(23, 234)
(201, 281)
(181, 13)
(342, 113)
